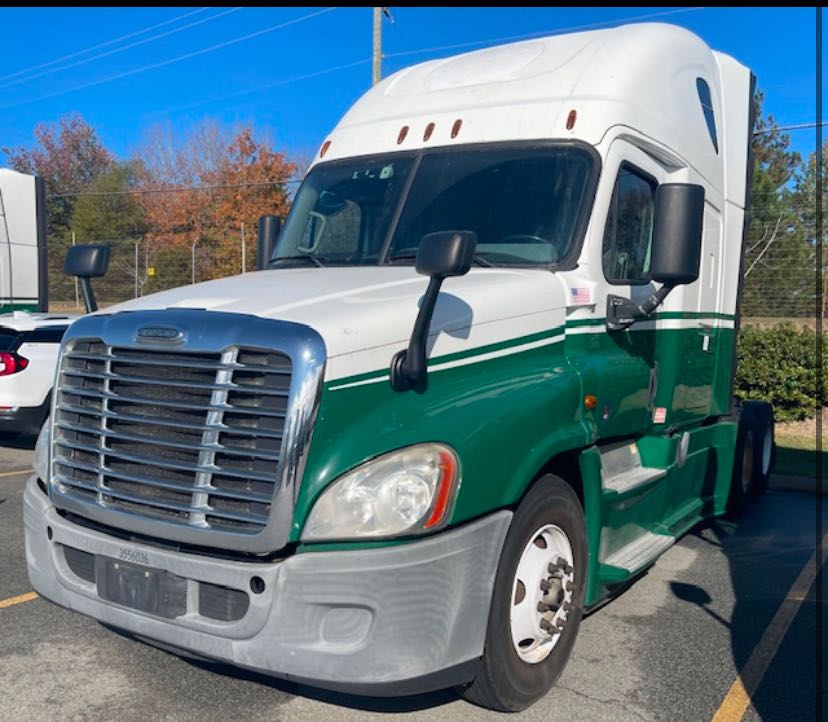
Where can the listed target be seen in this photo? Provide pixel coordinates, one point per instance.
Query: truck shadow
(766, 548)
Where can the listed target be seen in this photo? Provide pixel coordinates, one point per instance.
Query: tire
(743, 480)
(764, 447)
(548, 519)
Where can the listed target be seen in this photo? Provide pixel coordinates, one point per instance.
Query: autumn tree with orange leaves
(203, 191)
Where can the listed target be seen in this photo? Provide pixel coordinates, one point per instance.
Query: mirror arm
(623, 313)
(88, 295)
(409, 366)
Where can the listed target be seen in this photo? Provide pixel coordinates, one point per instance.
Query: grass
(796, 447)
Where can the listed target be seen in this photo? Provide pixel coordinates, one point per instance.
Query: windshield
(523, 203)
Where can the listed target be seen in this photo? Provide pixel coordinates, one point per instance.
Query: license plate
(154, 591)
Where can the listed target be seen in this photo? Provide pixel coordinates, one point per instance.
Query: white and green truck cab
(482, 383)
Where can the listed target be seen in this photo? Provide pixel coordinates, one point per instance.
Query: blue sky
(261, 80)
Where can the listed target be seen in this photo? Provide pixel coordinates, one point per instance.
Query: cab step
(622, 472)
(638, 554)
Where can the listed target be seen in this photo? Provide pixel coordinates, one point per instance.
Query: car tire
(548, 525)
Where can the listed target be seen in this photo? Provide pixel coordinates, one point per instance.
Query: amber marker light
(402, 134)
(428, 131)
(455, 129)
(448, 473)
(570, 119)
(324, 149)
(590, 401)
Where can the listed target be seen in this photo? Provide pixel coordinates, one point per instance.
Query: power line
(122, 48)
(103, 45)
(798, 126)
(274, 84)
(170, 61)
(542, 33)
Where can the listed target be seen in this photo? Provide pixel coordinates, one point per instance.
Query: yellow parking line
(19, 599)
(738, 698)
(16, 473)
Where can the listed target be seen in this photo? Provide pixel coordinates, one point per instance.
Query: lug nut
(567, 606)
(546, 625)
(560, 623)
(545, 585)
(569, 586)
(544, 607)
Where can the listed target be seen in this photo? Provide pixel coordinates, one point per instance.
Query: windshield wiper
(318, 262)
(477, 259)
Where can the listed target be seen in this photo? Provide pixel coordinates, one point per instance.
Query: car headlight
(407, 491)
(41, 452)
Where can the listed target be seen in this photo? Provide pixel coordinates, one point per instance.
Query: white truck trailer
(483, 382)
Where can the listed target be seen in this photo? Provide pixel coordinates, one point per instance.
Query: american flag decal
(581, 295)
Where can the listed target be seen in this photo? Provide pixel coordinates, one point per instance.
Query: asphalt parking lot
(668, 648)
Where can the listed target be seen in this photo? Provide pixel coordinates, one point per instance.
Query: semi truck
(481, 382)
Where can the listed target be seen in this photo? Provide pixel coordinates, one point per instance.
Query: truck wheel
(742, 482)
(537, 600)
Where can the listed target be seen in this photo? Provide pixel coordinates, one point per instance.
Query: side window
(629, 229)
(707, 108)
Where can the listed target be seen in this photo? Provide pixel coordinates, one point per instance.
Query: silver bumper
(361, 620)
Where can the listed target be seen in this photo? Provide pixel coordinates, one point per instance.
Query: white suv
(29, 345)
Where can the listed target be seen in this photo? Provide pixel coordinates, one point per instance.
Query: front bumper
(389, 620)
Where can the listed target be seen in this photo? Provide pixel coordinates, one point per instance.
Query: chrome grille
(186, 437)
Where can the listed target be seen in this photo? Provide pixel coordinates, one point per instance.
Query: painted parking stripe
(16, 473)
(19, 599)
(738, 698)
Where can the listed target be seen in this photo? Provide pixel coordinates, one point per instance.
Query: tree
(212, 182)
(109, 213)
(69, 156)
(778, 281)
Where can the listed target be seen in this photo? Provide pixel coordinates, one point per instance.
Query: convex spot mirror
(269, 227)
(446, 253)
(677, 233)
(440, 255)
(87, 261)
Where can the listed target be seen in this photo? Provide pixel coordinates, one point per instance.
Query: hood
(365, 307)
(25, 321)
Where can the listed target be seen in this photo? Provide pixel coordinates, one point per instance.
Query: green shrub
(778, 365)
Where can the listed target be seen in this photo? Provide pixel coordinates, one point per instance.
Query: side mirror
(677, 233)
(85, 262)
(439, 256)
(678, 226)
(269, 227)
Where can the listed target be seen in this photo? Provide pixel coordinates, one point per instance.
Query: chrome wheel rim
(542, 592)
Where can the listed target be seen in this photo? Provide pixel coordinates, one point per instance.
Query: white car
(29, 345)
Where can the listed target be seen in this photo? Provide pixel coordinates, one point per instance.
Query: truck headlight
(407, 491)
(41, 452)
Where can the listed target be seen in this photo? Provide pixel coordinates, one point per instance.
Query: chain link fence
(779, 287)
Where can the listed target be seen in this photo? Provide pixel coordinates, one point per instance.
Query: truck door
(617, 367)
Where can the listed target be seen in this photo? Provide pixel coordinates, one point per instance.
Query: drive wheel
(744, 459)
(537, 601)
(763, 447)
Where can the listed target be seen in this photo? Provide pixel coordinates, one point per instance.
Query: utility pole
(244, 250)
(377, 63)
(135, 271)
(195, 243)
(77, 297)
